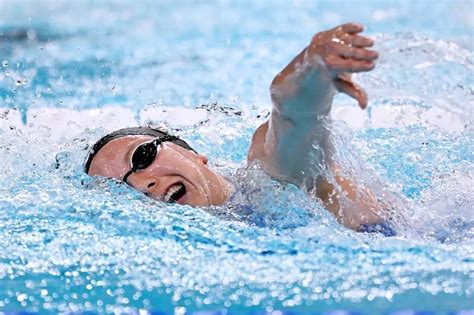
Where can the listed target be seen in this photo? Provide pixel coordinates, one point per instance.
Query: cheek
(114, 170)
(175, 164)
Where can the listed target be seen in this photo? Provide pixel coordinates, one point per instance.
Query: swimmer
(167, 168)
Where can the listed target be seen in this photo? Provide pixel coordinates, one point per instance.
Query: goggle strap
(127, 175)
(145, 131)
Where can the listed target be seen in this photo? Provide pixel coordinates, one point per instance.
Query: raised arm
(308, 83)
(302, 95)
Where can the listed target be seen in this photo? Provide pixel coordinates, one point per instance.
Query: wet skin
(172, 165)
(301, 93)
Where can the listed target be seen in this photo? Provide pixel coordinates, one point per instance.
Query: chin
(195, 203)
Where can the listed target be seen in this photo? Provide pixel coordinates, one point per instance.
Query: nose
(150, 185)
(146, 185)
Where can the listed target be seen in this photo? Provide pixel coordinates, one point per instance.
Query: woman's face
(176, 174)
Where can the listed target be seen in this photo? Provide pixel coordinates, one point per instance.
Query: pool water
(72, 71)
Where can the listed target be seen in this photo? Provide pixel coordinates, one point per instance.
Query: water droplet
(21, 297)
(31, 34)
(5, 63)
(19, 82)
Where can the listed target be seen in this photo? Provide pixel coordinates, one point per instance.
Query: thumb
(353, 90)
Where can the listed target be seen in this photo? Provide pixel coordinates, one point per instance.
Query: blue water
(71, 71)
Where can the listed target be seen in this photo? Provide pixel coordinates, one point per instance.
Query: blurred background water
(72, 70)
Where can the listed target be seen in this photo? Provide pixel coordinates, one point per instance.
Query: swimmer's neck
(222, 195)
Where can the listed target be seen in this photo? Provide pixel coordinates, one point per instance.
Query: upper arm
(257, 147)
(265, 149)
(285, 149)
(360, 204)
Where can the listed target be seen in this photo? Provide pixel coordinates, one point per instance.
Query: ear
(203, 159)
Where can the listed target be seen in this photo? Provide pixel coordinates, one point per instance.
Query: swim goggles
(145, 154)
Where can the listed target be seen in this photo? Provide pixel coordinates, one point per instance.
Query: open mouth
(175, 192)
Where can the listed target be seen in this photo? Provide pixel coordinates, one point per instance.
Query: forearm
(294, 143)
(303, 90)
(302, 95)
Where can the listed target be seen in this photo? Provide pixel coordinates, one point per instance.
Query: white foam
(175, 116)
(66, 122)
(354, 117)
(9, 118)
(400, 116)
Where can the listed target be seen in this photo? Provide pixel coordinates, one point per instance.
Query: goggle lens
(144, 155)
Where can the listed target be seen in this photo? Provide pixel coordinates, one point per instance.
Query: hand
(343, 52)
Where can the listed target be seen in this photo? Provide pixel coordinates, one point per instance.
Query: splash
(72, 243)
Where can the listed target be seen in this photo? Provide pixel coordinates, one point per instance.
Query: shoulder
(262, 152)
(257, 147)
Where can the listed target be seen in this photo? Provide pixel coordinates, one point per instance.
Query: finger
(361, 41)
(339, 64)
(359, 53)
(345, 76)
(352, 28)
(345, 38)
(353, 90)
(354, 52)
(356, 40)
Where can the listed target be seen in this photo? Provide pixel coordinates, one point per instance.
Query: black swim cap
(138, 131)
